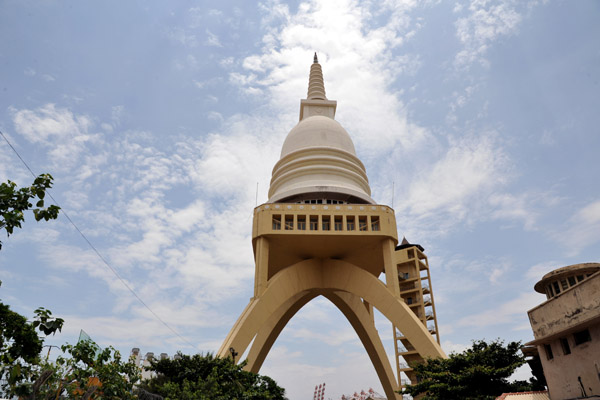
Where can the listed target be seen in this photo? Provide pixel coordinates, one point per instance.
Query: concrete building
(321, 234)
(566, 328)
(538, 395)
(143, 362)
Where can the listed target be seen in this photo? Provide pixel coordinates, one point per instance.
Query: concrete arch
(344, 284)
(355, 311)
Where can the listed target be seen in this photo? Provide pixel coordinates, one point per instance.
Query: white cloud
(513, 312)
(63, 132)
(182, 37)
(581, 229)
(486, 22)
(49, 122)
(454, 188)
(450, 347)
(536, 272)
(527, 207)
(212, 39)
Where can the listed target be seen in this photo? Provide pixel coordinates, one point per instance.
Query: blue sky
(157, 121)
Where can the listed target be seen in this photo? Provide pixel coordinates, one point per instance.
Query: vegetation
(479, 373)
(204, 377)
(20, 344)
(20, 348)
(85, 371)
(15, 201)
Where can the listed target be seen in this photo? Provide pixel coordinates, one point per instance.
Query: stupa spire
(316, 86)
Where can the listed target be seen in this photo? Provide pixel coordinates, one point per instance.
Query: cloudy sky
(478, 120)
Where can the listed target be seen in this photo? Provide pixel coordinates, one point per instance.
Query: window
(582, 337)
(374, 223)
(338, 224)
(302, 222)
(409, 300)
(579, 278)
(350, 223)
(548, 349)
(556, 287)
(571, 280)
(564, 284)
(362, 223)
(326, 222)
(276, 222)
(314, 222)
(289, 222)
(564, 343)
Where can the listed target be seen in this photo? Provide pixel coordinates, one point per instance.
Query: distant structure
(321, 234)
(536, 395)
(368, 395)
(319, 392)
(143, 362)
(566, 328)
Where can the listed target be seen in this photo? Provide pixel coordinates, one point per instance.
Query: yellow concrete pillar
(391, 272)
(261, 275)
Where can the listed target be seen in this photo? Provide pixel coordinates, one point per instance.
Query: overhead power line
(63, 212)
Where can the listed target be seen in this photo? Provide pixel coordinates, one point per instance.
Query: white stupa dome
(317, 131)
(318, 159)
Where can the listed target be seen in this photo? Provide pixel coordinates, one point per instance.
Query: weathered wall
(571, 308)
(564, 372)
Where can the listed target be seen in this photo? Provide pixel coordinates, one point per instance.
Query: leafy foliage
(14, 201)
(204, 377)
(478, 373)
(20, 347)
(86, 373)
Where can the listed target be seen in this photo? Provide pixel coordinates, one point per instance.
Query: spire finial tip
(316, 60)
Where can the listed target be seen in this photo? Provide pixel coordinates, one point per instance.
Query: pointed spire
(404, 241)
(316, 86)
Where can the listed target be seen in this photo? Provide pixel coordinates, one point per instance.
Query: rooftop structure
(566, 328)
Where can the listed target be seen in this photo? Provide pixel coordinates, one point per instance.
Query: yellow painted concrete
(292, 287)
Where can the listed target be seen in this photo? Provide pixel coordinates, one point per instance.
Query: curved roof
(570, 270)
(317, 131)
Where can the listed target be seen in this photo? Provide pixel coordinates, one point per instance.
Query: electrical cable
(98, 253)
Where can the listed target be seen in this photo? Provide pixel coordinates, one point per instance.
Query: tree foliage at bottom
(204, 377)
(479, 373)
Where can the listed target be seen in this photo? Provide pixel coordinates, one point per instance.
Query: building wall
(573, 307)
(567, 374)
(567, 334)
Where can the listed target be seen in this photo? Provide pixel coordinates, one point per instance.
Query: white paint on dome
(317, 131)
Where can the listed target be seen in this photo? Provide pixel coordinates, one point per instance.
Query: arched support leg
(270, 331)
(356, 313)
(319, 276)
